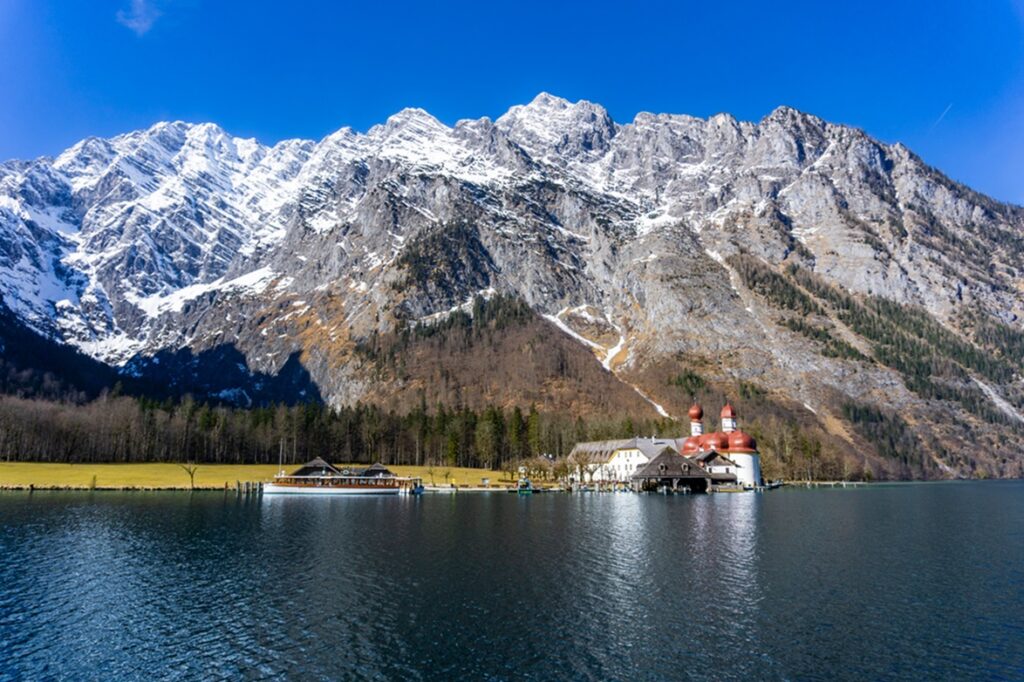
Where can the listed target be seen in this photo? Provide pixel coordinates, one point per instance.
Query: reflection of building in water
(727, 457)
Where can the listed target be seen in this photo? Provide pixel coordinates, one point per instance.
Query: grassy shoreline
(169, 476)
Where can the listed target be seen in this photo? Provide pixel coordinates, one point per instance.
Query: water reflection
(781, 585)
(740, 577)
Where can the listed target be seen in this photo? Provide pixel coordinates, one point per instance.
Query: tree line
(117, 428)
(122, 429)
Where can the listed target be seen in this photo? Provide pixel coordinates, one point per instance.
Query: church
(724, 457)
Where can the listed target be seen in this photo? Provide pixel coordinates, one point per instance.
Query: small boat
(524, 487)
(321, 478)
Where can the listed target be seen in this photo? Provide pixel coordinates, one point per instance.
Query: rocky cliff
(840, 276)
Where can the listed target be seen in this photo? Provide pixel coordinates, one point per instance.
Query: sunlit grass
(45, 475)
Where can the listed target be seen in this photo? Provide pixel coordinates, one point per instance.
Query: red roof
(717, 441)
(696, 412)
(742, 442)
(728, 412)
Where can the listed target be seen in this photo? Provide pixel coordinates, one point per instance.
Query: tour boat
(320, 478)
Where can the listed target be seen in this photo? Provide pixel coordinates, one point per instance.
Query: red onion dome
(696, 412)
(728, 412)
(742, 442)
(717, 441)
(691, 445)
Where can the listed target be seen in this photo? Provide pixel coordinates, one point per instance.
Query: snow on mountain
(182, 236)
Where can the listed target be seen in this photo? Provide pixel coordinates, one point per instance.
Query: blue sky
(944, 77)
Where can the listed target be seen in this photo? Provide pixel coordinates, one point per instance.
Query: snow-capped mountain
(652, 245)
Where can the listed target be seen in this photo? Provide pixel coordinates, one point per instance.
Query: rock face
(646, 243)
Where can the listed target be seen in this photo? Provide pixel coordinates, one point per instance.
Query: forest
(46, 418)
(118, 428)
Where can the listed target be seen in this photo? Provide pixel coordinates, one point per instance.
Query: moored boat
(318, 477)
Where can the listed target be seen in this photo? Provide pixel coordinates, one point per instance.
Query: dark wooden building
(672, 471)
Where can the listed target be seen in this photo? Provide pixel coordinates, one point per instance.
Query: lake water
(905, 581)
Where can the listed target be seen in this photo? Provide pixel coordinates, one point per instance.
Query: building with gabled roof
(729, 455)
(677, 473)
(615, 460)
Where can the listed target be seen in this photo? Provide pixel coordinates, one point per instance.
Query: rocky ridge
(646, 243)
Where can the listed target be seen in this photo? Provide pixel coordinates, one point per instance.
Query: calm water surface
(920, 581)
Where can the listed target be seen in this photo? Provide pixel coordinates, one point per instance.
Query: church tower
(742, 450)
(696, 415)
(728, 418)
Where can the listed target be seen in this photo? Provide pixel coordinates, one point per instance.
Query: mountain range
(800, 268)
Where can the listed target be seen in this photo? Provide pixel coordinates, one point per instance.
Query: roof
(602, 450)
(597, 450)
(652, 447)
(710, 455)
(376, 469)
(316, 467)
(670, 464)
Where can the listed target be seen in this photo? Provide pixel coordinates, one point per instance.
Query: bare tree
(190, 469)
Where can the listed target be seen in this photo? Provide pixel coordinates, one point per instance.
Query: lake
(888, 581)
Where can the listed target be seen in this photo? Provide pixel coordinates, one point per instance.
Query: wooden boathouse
(673, 472)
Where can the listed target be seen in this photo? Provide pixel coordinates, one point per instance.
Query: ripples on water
(915, 581)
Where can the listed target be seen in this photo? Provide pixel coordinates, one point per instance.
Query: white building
(722, 454)
(615, 461)
(738, 448)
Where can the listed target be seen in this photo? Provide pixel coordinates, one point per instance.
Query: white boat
(320, 478)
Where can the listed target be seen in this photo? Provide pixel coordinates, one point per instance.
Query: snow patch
(660, 410)
(554, 319)
(466, 307)
(715, 256)
(999, 401)
(252, 283)
(613, 353)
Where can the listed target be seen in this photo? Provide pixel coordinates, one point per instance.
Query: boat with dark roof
(318, 477)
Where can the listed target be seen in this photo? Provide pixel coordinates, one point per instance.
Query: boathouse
(671, 471)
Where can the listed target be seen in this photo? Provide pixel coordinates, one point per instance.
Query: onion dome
(691, 445)
(717, 441)
(696, 412)
(742, 442)
(728, 412)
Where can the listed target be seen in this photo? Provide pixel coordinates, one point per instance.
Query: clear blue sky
(944, 77)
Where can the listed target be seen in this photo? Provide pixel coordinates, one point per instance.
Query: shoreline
(171, 477)
(155, 476)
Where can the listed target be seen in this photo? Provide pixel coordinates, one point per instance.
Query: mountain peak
(787, 115)
(414, 116)
(551, 125)
(545, 100)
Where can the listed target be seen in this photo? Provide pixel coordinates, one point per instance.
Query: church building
(722, 457)
(727, 451)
